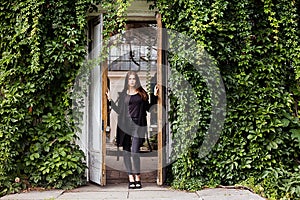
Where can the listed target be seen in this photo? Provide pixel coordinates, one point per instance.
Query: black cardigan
(120, 107)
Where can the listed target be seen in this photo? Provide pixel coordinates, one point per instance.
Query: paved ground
(120, 191)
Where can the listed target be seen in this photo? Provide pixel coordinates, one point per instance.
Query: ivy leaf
(296, 135)
(285, 122)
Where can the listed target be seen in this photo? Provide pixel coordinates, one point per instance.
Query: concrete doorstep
(120, 191)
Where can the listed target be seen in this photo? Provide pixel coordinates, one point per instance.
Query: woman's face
(131, 81)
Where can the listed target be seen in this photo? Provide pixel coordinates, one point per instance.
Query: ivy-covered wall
(255, 44)
(42, 46)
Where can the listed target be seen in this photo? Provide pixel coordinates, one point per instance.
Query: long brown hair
(138, 86)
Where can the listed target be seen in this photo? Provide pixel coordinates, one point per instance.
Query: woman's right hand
(108, 95)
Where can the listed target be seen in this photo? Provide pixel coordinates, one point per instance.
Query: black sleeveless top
(133, 104)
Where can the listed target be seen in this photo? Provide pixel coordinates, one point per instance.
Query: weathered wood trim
(160, 101)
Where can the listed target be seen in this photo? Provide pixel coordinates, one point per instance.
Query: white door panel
(95, 101)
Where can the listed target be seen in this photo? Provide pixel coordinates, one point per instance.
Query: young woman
(132, 106)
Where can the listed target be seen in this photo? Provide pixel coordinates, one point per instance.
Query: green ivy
(255, 45)
(42, 46)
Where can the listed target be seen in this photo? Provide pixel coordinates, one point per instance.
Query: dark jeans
(131, 148)
(133, 152)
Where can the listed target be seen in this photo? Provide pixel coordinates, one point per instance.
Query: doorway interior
(135, 51)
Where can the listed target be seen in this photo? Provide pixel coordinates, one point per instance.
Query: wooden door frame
(104, 70)
(160, 153)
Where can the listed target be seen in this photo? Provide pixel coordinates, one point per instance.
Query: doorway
(137, 50)
(140, 50)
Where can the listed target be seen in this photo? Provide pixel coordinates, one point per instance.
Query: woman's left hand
(156, 90)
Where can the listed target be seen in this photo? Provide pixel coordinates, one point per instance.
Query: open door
(95, 105)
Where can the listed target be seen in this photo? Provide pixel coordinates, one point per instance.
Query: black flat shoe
(131, 185)
(138, 184)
